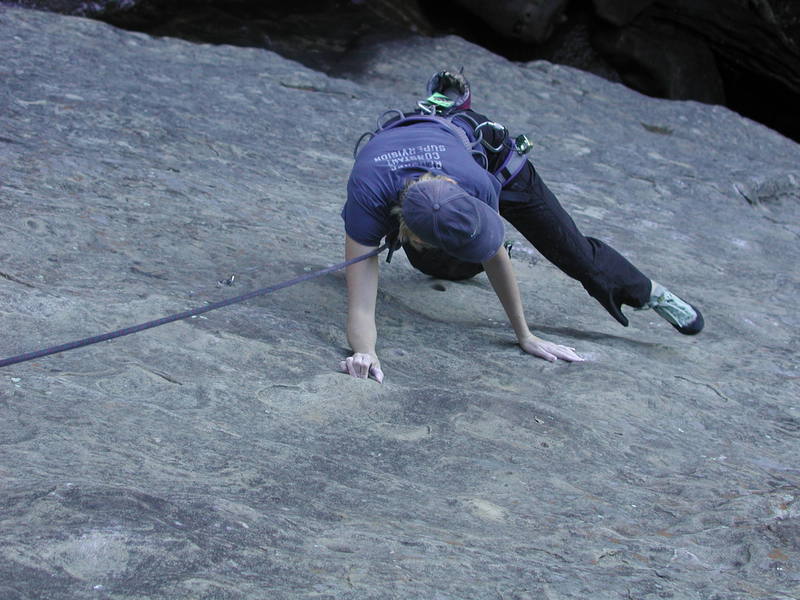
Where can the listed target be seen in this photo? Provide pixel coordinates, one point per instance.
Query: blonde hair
(405, 233)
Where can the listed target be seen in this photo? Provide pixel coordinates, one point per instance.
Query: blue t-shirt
(397, 155)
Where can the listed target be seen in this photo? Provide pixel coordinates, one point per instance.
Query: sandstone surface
(225, 457)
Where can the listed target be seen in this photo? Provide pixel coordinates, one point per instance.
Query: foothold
(439, 287)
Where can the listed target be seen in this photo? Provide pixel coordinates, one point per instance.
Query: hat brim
(486, 244)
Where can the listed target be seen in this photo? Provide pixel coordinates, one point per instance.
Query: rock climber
(437, 181)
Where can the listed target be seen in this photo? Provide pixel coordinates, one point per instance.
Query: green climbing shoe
(680, 314)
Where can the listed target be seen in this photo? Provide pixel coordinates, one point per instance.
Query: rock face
(660, 58)
(620, 12)
(224, 456)
(528, 21)
(744, 54)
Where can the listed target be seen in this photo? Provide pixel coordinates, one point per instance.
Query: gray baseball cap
(442, 214)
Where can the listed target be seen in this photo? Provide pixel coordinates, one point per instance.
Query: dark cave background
(743, 54)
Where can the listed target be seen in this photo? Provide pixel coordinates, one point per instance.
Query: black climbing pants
(535, 212)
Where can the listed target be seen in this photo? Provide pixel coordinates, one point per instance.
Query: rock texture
(527, 21)
(744, 54)
(736, 52)
(224, 457)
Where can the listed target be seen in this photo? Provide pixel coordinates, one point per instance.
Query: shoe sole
(694, 327)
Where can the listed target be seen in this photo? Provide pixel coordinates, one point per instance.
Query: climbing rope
(185, 314)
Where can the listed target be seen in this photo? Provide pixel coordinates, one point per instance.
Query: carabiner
(496, 127)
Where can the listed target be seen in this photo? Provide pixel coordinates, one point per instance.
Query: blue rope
(185, 314)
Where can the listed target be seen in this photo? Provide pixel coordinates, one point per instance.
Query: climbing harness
(448, 99)
(440, 102)
(435, 109)
(452, 85)
(185, 314)
(430, 110)
(394, 117)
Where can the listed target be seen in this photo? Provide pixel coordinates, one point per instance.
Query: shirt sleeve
(366, 218)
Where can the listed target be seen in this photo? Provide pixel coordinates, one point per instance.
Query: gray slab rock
(224, 457)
